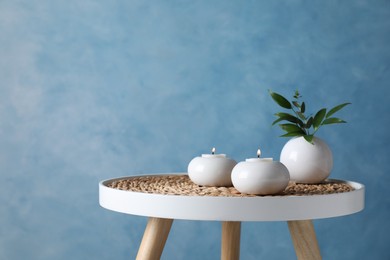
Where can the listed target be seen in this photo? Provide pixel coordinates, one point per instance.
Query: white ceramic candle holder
(260, 176)
(211, 170)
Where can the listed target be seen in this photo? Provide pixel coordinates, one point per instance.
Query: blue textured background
(93, 90)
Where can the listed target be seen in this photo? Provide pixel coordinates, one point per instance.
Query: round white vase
(306, 162)
(211, 170)
(260, 177)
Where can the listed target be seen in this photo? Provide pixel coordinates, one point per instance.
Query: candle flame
(213, 150)
(258, 153)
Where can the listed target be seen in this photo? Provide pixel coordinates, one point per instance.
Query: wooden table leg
(304, 239)
(230, 246)
(155, 236)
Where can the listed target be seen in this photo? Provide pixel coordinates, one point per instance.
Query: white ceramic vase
(260, 177)
(306, 162)
(211, 170)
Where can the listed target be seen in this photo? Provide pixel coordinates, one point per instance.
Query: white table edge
(269, 208)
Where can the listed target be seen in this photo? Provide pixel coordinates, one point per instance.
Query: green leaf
(296, 94)
(335, 109)
(303, 107)
(287, 117)
(277, 121)
(280, 100)
(296, 104)
(309, 123)
(301, 115)
(333, 120)
(292, 134)
(318, 118)
(309, 138)
(291, 128)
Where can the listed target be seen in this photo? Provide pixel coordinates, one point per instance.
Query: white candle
(211, 170)
(258, 158)
(213, 155)
(261, 176)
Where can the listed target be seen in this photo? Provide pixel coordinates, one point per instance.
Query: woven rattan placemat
(182, 185)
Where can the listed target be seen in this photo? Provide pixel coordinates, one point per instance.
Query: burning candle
(260, 176)
(211, 169)
(258, 158)
(213, 154)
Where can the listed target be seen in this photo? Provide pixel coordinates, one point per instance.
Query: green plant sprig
(298, 124)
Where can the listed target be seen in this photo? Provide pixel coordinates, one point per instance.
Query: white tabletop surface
(268, 208)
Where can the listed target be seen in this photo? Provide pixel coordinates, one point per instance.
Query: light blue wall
(91, 90)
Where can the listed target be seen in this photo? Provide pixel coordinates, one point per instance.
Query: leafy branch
(297, 123)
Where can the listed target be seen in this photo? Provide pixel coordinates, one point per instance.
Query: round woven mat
(182, 185)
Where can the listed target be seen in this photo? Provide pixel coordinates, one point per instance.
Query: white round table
(298, 211)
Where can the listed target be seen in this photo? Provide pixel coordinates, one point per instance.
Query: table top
(226, 208)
